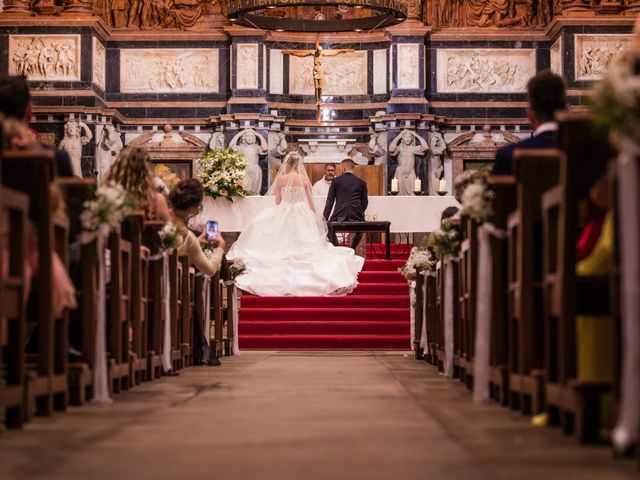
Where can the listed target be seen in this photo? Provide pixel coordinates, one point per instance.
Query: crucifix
(318, 75)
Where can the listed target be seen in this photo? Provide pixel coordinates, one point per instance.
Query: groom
(349, 193)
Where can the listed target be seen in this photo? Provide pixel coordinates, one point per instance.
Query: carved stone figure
(76, 135)
(378, 147)
(246, 142)
(404, 147)
(437, 148)
(488, 13)
(216, 141)
(107, 150)
(277, 148)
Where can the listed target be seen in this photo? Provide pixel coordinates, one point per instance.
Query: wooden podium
(372, 174)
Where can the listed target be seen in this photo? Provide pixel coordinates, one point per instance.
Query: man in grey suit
(349, 193)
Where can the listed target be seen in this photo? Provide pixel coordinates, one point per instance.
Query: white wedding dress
(286, 252)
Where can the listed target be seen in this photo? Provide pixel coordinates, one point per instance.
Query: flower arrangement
(477, 201)
(170, 237)
(616, 100)
(104, 213)
(237, 268)
(223, 171)
(421, 259)
(446, 240)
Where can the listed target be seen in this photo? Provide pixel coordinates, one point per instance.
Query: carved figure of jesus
(318, 72)
(404, 147)
(246, 142)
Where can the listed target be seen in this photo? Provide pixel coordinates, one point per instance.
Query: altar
(406, 214)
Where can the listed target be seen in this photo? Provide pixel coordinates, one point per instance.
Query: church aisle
(291, 416)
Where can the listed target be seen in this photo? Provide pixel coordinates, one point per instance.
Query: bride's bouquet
(223, 172)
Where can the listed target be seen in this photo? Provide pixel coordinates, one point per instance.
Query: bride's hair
(292, 160)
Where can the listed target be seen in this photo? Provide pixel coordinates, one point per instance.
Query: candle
(394, 184)
(443, 185)
(418, 185)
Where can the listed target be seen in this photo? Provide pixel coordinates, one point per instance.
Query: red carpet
(374, 317)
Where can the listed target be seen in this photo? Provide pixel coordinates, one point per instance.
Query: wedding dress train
(286, 252)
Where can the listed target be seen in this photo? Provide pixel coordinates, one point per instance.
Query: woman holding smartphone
(186, 201)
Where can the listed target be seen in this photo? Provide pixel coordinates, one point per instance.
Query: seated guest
(15, 103)
(132, 170)
(186, 202)
(547, 96)
(321, 187)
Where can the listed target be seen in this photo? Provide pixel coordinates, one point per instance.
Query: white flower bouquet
(237, 268)
(170, 236)
(105, 213)
(223, 172)
(477, 201)
(446, 240)
(420, 259)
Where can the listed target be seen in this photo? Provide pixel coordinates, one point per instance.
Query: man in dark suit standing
(547, 96)
(349, 193)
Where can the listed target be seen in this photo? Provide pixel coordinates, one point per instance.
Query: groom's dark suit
(349, 193)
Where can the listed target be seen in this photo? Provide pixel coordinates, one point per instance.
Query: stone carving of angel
(76, 135)
(216, 141)
(404, 147)
(437, 148)
(246, 142)
(107, 150)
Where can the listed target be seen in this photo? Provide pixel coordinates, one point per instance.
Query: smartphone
(211, 229)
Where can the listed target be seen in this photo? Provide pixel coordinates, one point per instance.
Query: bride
(285, 248)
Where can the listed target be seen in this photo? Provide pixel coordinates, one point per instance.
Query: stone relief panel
(409, 66)
(380, 81)
(247, 69)
(593, 53)
(345, 74)
(485, 70)
(99, 64)
(169, 70)
(276, 72)
(488, 13)
(45, 57)
(556, 57)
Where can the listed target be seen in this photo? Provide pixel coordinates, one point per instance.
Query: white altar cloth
(406, 214)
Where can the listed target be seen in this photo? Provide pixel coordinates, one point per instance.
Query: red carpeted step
(351, 301)
(325, 342)
(324, 328)
(383, 265)
(381, 289)
(323, 314)
(381, 277)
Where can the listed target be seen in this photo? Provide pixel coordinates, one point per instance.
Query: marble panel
(276, 72)
(409, 66)
(247, 66)
(485, 70)
(45, 57)
(593, 53)
(380, 80)
(169, 70)
(344, 74)
(99, 64)
(556, 56)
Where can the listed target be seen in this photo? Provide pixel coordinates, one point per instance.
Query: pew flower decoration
(106, 211)
(223, 172)
(477, 200)
(446, 240)
(421, 259)
(170, 237)
(237, 268)
(616, 100)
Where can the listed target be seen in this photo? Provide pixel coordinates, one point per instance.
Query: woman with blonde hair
(132, 170)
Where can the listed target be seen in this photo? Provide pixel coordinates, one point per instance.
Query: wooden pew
(217, 316)
(132, 229)
(186, 318)
(46, 386)
(467, 273)
(535, 172)
(14, 208)
(437, 339)
(119, 313)
(151, 240)
(418, 310)
(504, 188)
(176, 297)
(82, 321)
(572, 403)
(431, 317)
